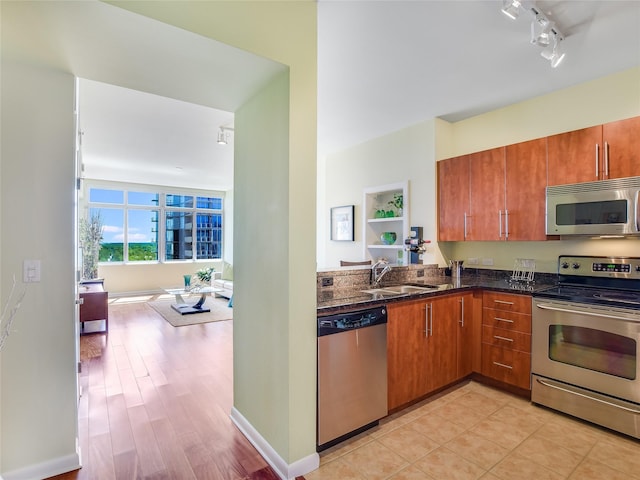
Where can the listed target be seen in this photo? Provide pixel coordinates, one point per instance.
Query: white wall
(408, 154)
(38, 404)
(411, 154)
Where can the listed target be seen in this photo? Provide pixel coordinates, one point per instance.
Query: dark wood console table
(94, 305)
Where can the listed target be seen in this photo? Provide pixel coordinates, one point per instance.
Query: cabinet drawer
(506, 365)
(507, 301)
(519, 322)
(506, 338)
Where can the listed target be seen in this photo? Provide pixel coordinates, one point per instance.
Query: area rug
(219, 311)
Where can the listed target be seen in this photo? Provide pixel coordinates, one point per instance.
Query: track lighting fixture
(543, 31)
(223, 137)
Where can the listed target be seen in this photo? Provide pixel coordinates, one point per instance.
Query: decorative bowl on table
(388, 238)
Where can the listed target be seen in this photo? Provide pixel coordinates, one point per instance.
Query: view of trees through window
(144, 227)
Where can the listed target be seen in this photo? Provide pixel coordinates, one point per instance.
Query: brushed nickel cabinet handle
(462, 312)
(498, 337)
(503, 302)
(498, 364)
(506, 224)
(503, 319)
(597, 160)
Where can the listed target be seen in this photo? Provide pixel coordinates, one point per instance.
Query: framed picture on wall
(342, 223)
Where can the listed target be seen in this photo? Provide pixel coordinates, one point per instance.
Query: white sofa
(224, 281)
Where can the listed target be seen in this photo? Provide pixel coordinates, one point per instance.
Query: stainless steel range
(585, 337)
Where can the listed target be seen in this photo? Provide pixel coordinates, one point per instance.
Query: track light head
(222, 137)
(553, 53)
(511, 8)
(541, 30)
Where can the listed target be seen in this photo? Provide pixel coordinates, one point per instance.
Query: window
(137, 225)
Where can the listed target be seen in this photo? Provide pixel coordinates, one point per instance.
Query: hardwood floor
(156, 401)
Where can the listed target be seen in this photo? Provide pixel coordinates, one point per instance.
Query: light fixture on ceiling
(223, 136)
(553, 53)
(511, 8)
(541, 30)
(544, 33)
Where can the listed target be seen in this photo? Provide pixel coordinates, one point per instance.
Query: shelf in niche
(385, 219)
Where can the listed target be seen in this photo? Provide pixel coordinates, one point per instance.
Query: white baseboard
(283, 469)
(46, 469)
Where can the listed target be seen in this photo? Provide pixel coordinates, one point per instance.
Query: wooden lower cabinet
(507, 365)
(427, 345)
(506, 338)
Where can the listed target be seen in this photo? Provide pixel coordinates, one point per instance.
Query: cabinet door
(574, 156)
(486, 197)
(406, 353)
(526, 181)
(621, 148)
(453, 198)
(442, 356)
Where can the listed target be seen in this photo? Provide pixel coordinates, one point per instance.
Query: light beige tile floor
(477, 432)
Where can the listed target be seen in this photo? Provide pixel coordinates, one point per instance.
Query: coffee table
(184, 308)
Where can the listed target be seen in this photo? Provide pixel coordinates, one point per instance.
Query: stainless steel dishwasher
(352, 373)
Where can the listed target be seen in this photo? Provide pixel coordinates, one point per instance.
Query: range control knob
(564, 265)
(575, 266)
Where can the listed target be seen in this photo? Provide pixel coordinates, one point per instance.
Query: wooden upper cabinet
(602, 152)
(526, 180)
(487, 194)
(453, 198)
(621, 148)
(574, 156)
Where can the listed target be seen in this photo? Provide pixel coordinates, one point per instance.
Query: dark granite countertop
(350, 298)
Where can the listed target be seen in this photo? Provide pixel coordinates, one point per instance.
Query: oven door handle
(545, 306)
(566, 390)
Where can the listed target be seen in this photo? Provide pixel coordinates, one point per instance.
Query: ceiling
(385, 65)
(382, 66)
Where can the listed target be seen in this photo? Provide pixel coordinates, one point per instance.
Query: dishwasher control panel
(351, 320)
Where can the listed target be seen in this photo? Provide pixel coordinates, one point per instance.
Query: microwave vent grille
(600, 185)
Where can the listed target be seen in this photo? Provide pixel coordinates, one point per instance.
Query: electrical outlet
(487, 261)
(419, 273)
(327, 281)
(472, 261)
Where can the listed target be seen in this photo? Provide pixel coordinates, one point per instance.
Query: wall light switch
(487, 261)
(31, 271)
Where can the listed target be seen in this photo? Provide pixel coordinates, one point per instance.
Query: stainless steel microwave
(602, 208)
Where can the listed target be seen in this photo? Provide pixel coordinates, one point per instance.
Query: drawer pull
(498, 364)
(503, 319)
(503, 302)
(498, 337)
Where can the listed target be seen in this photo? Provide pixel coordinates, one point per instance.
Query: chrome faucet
(376, 275)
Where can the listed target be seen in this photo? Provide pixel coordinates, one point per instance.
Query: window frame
(161, 210)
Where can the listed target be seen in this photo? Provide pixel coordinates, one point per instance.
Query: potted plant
(90, 242)
(398, 202)
(205, 274)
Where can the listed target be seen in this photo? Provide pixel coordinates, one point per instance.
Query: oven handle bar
(545, 306)
(566, 390)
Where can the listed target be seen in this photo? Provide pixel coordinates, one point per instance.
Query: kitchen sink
(401, 289)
